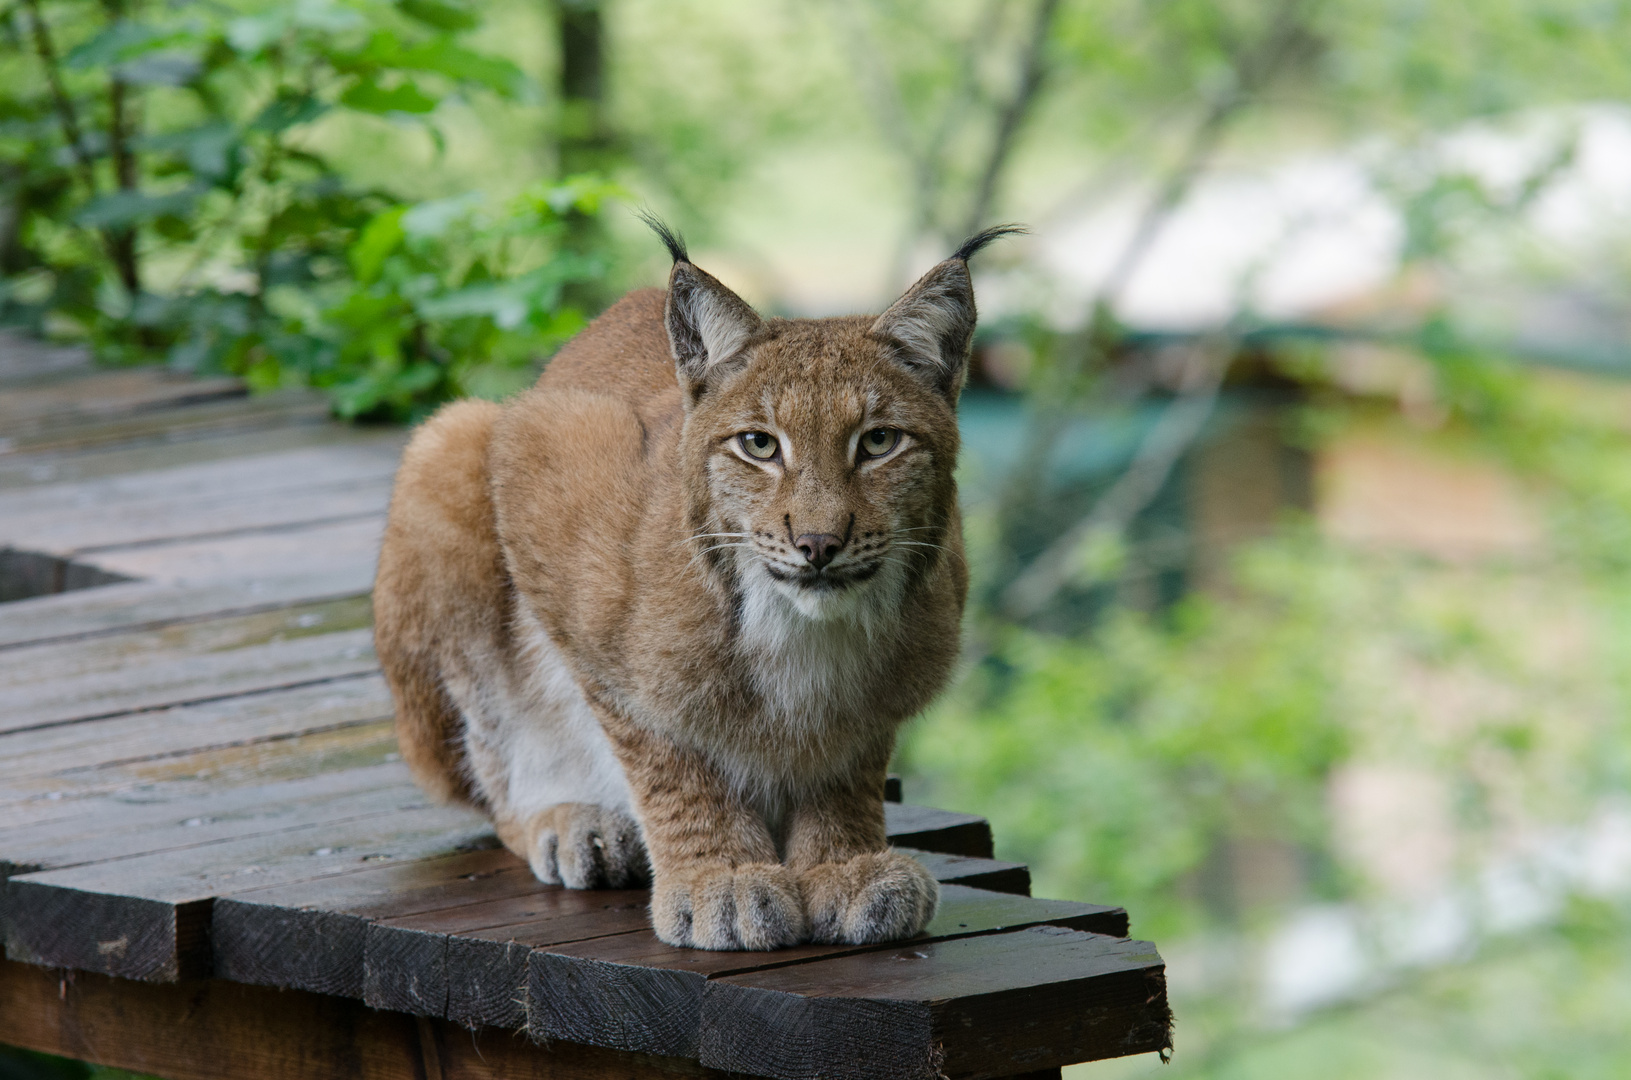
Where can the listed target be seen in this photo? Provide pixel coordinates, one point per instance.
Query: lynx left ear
(932, 326)
(707, 323)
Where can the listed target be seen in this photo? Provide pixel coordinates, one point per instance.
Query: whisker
(715, 547)
(711, 536)
(936, 547)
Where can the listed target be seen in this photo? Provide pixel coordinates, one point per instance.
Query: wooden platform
(214, 864)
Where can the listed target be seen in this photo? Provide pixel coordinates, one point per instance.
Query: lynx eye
(759, 444)
(879, 441)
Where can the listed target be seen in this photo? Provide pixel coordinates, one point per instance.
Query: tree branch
(1032, 73)
(1172, 434)
(1254, 67)
(66, 116)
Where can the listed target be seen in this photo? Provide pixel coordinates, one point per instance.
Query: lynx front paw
(879, 896)
(756, 906)
(584, 846)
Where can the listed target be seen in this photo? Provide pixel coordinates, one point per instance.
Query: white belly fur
(530, 736)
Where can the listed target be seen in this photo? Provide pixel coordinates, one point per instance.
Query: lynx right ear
(707, 323)
(931, 327)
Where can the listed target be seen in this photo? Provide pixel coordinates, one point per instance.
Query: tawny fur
(599, 627)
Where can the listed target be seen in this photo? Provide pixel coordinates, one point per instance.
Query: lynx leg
(857, 891)
(580, 845)
(717, 883)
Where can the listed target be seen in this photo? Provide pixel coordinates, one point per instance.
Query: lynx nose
(819, 548)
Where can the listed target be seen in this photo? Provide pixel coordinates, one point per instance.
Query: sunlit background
(1298, 442)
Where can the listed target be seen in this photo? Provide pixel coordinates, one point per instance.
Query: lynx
(661, 615)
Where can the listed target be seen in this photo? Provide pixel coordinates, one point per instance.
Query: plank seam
(183, 620)
(226, 534)
(161, 706)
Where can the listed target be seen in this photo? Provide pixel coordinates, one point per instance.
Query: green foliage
(1122, 761)
(171, 199)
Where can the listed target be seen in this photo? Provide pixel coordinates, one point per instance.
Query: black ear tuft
(973, 244)
(931, 327)
(673, 241)
(708, 326)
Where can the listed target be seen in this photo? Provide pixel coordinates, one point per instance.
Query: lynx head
(818, 453)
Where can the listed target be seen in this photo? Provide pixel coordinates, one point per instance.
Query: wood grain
(311, 935)
(989, 874)
(974, 1007)
(634, 992)
(945, 831)
(114, 828)
(147, 917)
(47, 684)
(210, 1029)
(72, 753)
(209, 499)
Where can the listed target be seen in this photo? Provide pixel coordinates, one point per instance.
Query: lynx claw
(880, 896)
(752, 907)
(583, 846)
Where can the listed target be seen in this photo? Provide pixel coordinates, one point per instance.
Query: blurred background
(1297, 459)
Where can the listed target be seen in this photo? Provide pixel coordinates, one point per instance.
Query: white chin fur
(822, 605)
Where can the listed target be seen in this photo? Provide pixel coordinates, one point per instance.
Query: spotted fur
(607, 624)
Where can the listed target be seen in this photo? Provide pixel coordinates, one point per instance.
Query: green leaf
(285, 112)
(119, 41)
(171, 67)
(252, 33)
(508, 303)
(211, 150)
(442, 14)
(379, 238)
(121, 208)
(445, 57)
(406, 97)
(431, 219)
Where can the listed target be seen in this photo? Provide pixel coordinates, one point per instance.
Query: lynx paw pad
(754, 907)
(875, 897)
(583, 846)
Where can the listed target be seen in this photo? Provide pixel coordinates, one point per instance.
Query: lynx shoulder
(661, 616)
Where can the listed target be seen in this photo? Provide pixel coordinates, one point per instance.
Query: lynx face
(828, 466)
(818, 454)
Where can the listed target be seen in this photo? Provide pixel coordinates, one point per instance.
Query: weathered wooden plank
(25, 359)
(988, 874)
(207, 1029)
(409, 965)
(310, 935)
(57, 683)
(82, 535)
(210, 499)
(173, 444)
(153, 605)
(461, 956)
(262, 474)
(119, 828)
(183, 679)
(485, 966)
(258, 560)
(347, 746)
(102, 396)
(72, 750)
(973, 1007)
(170, 423)
(633, 992)
(946, 831)
(148, 917)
